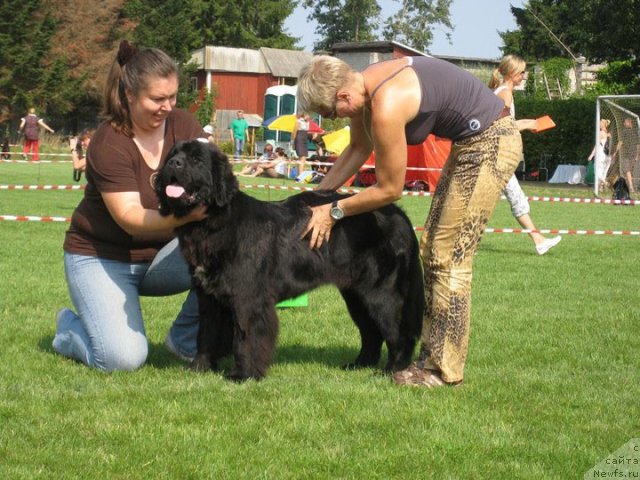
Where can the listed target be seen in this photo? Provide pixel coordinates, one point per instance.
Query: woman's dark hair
(132, 71)
(86, 133)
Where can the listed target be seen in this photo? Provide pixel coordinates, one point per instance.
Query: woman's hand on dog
(196, 215)
(320, 225)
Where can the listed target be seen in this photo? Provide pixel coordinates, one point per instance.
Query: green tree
(617, 78)
(612, 29)
(25, 32)
(62, 92)
(242, 24)
(177, 37)
(207, 106)
(600, 30)
(359, 21)
(343, 21)
(54, 54)
(414, 22)
(544, 26)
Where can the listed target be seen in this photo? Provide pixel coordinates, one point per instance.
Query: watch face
(336, 213)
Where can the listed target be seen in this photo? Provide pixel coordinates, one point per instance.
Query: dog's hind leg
(370, 335)
(254, 340)
(401, 345)
(385, 307)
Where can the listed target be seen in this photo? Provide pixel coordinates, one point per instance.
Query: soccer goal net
(617, 153)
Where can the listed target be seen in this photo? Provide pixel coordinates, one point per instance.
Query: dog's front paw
(201, 363)
(241, 376)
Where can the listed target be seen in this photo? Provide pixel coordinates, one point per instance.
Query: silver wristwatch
(336, 211)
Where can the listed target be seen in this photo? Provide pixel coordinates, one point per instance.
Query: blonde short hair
(319, 81)
(509, 65)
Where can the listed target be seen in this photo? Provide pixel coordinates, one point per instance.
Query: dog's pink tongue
(174, 191)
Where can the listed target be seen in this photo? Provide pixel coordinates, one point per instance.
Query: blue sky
(476, 26)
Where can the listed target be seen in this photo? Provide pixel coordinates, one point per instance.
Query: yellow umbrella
(283, 123)
(286, 123)
(337, 141)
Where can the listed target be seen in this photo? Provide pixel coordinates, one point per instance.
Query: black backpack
(621, 190)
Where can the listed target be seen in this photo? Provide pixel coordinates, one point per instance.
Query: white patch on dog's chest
(200, 274)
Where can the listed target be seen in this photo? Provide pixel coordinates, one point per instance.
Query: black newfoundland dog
(248, 255)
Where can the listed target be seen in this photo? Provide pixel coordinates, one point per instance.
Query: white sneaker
(547, 245)
(172, 348)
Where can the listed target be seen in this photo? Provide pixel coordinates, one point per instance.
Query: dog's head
(195, 173)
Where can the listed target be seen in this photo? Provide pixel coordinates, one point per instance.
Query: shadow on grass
(332, 357)
(44, 344)
(161, 358)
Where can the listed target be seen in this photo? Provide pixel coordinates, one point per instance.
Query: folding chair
(543, 163)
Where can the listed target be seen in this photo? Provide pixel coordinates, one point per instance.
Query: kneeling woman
(118, 247)
(399, 102)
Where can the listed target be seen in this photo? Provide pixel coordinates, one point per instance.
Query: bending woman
(399, 102)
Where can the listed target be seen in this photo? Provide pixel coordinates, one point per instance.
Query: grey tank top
(454, 105)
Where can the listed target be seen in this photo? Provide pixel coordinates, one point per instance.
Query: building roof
(457, 59)
(229, 59)
(285, 63)
(386, 46)
(382, 46)
(275, 61)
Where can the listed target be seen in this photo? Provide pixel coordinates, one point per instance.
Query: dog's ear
(226, 183)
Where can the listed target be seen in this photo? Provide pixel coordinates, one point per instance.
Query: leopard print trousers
(470, 185)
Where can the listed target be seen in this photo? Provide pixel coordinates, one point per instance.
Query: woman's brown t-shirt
(114, 164)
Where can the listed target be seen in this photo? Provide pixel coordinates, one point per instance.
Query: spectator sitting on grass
(254, 169)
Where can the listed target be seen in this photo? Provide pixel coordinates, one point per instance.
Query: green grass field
(552, 382)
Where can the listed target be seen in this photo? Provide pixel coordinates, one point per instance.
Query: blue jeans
(239, 146)
(107, 332)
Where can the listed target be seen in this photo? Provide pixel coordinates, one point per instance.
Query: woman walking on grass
(504, 79)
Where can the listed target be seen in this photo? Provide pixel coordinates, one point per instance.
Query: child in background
(78, 148)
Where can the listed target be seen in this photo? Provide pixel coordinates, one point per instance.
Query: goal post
(619, 157)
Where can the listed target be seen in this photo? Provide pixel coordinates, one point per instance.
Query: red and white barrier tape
(31, 155)
(33, 218)
(245, 161)
(603, 201)
(554, 231)
(596, 201)
(557, 231)
(35, 161)
(42, 187)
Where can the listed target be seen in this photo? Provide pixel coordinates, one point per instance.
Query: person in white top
(300, 137)
(504, 79)
(601, 154)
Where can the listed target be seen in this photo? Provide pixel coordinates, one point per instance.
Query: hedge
(571, 141)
